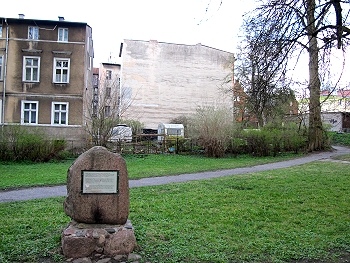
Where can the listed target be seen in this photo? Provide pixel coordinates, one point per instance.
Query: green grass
(275, 216)
(339, 138)
(31, 230)
(345, 157)
(16, 175)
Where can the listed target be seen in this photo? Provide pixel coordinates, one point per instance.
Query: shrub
(19, 144)
(274, 138)
(135, 125)
(339, 138)
(213, 128)
(258, 142)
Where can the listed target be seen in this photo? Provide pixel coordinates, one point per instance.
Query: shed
(169, 129)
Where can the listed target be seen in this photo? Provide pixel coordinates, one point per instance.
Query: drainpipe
(5, 74)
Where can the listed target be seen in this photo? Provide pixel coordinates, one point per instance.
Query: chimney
(60, 18)
(21, 16)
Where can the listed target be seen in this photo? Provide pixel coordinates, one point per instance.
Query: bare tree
(263, 89)
(109, 102)
(304, 25)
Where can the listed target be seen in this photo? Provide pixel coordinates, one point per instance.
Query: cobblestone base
(81, 240)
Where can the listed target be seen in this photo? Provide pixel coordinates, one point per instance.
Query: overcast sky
(173, 21)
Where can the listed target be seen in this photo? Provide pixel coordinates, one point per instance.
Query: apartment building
(166, 80)
(46, 75)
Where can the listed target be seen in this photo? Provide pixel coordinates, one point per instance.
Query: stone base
(85, 240)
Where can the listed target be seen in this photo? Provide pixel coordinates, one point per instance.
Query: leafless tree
(108, 104)
(260, 70)
(314, 27)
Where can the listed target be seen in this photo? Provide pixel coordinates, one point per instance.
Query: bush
(213, 128)
(339, 138)
(18, 144)
(258, 142)
(274, 138)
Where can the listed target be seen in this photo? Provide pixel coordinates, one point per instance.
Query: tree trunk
(315, 121)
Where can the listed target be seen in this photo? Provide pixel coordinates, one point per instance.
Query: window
(29, 112)
(107, 111)
(31, 69)
(90, 63)
(61, 70)
(63, 34)
(127, 93)
(59, 115)
(1, 111)
(108, 92)
(1, 66)
(109, 74)
(33, 32)
(0, 31)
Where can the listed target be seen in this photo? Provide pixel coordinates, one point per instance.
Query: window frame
(108, 74)
(54, 80)
(108, 92)
(107, 111)
(63, 38)
(60, 111)
(31, 35)
(24, 75)
(1, 111)
(1, 67)
(36, 111)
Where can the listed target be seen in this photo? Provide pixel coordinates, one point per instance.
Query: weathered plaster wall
(169, 80)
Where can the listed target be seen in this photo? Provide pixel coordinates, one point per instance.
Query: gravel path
(56, 191)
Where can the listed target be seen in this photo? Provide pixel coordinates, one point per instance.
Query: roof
(171, 125)
(344, 93)
(53, 22)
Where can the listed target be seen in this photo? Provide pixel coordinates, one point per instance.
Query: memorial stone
(96, 170)
(98, 203)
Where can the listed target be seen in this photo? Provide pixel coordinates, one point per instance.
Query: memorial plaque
(99, 182)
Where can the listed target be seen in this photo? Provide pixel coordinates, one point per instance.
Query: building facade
(165, 80)
(335, 109)
(46, 70)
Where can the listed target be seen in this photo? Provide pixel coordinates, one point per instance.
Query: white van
(121, 133)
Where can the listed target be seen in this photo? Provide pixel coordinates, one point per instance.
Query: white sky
(173, 21)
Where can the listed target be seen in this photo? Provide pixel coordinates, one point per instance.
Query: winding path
(56, 191)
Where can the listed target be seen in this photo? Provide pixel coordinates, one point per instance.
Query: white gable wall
(169, 80)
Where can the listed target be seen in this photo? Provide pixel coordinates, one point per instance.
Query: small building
(170, 130)
(337, 121)
(335, 110)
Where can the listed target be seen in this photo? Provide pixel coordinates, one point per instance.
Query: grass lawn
(283, 215)
(15, 175)
(345, 157)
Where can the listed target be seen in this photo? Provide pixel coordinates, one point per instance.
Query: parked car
(121, 133)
